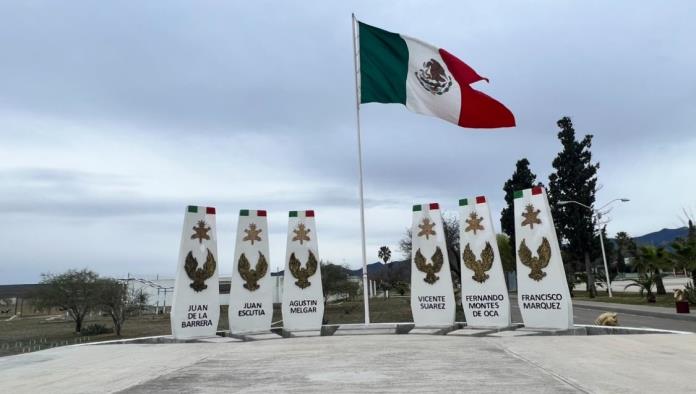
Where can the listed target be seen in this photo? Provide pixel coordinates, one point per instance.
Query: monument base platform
(367, 329)
(443, 330)
(336, 364)
(301, 334)
(254, 336)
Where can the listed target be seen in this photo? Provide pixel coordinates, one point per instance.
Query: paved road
(587, 316)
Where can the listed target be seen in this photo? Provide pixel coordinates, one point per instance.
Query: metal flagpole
(360, 169)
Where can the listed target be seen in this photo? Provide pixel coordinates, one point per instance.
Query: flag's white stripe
(446, 105)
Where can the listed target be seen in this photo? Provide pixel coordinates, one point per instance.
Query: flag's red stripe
(480, 199)
(478, 110)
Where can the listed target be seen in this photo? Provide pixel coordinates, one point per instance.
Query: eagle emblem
(429, 269)
(302, 274)
(536, 263)
(252, 276)
(434, 78)
(199, 275)
(478, 266)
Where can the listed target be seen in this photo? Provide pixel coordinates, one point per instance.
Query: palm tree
(684, 255)
(652, 259)
(385, 254)
(645, 283)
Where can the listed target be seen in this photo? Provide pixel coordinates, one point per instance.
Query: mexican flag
(398, 69)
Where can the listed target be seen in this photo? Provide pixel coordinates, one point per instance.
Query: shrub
(96, 329)
(690, 292)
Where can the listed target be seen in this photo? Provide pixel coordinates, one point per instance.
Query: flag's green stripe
(243, 212)
(383, 66)
(192, 208)
(518, 194)
(463, 202)
(416, 208)
(293, 214)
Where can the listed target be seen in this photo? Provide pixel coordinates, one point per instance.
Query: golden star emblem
(426, 228)
(301, 233)
(252, 234)
(474, 222)
(201, 232)
(530, 216)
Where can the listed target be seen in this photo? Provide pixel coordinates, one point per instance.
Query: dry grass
(37, 333)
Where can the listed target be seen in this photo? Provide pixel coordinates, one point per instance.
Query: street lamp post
(597, 213)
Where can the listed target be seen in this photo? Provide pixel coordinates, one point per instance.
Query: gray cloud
(115, 116)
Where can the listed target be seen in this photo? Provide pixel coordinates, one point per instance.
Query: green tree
(575, 178)
(521, 179)
(507, 255)
(684, 255)
(74, 291)
(625, 248)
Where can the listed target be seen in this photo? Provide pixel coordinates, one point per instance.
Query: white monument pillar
(303, 298)
(196, 303)
(432, 295)
(251, 287)
(542, 288)
(484, 294)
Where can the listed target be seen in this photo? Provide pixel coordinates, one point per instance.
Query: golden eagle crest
(434, 78)
(199, 275)
(252, 276)
(478, 266)
(429, 269)
(536, 263)
(302, 274)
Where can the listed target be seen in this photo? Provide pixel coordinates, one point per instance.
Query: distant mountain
(372, 268)
(661, 238)
(375, 268)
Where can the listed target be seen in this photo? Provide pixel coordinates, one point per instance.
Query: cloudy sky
(116, 115)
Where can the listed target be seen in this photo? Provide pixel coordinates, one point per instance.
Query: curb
(609, 307)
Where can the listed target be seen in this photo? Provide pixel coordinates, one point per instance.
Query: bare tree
(119, 302)
(451, 229)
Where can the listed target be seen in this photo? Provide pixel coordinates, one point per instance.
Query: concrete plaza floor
(365, 363)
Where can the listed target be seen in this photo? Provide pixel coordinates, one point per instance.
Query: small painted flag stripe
(261, 212)
(480, 199)
(416, 208)
(536, 190)
(293, 214)
(434, 205)
(243, 212)
(192, 208)
(463, 202)
(210, 210)
(309, 213)
(518, 194)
